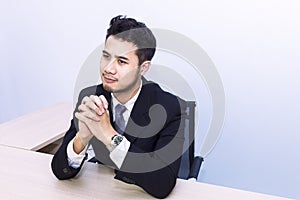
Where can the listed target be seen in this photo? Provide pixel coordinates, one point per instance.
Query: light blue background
(254, 45)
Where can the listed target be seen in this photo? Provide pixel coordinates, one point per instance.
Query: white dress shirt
(118, 154)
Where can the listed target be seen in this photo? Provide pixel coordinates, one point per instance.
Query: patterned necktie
(119, 119)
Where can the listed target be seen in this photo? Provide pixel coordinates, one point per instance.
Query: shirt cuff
(119, 153)
(74, 159)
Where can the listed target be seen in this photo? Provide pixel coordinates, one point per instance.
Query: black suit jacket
(155, 131)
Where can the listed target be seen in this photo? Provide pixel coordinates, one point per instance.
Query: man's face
(119, 66)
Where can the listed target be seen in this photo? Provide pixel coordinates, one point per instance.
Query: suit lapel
(139, 117)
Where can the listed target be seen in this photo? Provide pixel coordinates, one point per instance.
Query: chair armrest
(195, 168)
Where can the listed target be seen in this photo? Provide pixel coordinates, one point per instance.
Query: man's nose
(111, 66)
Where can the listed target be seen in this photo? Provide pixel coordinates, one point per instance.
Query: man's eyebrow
(119, 57)
(122, 57)
(105, 52)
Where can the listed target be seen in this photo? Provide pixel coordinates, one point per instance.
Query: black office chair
(190, 165)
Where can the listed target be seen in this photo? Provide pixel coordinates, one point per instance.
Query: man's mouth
(109, 79)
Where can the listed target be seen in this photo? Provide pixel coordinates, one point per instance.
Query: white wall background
(253, 43)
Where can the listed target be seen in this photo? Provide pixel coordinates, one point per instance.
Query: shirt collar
(130, 103)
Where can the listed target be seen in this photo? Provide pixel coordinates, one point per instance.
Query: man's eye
(122, 62)
(105, 55)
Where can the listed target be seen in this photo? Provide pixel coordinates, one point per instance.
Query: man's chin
(107, 88)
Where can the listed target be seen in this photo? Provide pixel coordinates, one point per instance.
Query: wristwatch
(115, 141)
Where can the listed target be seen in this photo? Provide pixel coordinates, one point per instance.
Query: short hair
(130, 30)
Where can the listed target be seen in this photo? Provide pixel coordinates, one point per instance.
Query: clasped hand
(93, 120)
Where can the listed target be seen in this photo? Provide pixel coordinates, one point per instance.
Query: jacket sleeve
(59, 164)
(164, 160)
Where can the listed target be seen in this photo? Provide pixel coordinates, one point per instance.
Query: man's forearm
(78, 144)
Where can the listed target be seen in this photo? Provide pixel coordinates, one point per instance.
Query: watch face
(118, 139)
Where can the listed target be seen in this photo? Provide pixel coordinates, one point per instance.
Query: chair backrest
(187, 158)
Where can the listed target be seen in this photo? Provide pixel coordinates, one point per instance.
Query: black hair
(130, 30)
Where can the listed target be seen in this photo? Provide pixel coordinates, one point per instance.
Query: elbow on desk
(161, 191)
(161, 194)
(161, 183)
(61, 169)
(59, 172)
(62, 173)
(155, 186)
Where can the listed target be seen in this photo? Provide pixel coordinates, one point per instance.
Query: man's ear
(144, 67)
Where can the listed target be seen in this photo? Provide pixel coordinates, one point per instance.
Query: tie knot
(120, 109)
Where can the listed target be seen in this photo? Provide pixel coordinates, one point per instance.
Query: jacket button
(65, 170)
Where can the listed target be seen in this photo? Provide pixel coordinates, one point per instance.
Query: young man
(126, 122)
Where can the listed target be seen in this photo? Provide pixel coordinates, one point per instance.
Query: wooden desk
(37, 129)
(27, 175)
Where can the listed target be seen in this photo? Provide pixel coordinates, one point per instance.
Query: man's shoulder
(156, 93)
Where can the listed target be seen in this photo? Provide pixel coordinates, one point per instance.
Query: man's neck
(124, 97)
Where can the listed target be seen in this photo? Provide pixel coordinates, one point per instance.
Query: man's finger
(104, 101)
(80, 117)
(91, 104)
(84, 100)
(91, 115)
(88, 115)
(98, 103)
(82, 108)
